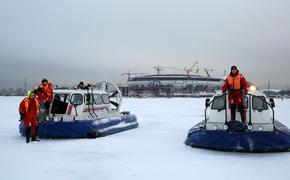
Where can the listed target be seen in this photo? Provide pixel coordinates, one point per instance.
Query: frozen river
(155, 150)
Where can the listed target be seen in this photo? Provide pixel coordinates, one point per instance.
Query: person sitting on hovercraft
(236, 85)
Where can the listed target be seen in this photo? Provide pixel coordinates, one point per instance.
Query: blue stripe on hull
(117, 130)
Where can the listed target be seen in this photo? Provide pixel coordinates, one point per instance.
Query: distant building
(275, 93)
(285, 93)
(12, 92)
(3, 92)
(272, 92)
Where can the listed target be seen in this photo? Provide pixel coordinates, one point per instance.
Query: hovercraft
(260, 133)
(85, 113)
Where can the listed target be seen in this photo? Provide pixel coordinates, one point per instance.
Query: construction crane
(207, 70)
(159, 68)
(129, 74)
(188, 70)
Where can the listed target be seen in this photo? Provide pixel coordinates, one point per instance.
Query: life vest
(47, 93)
(234, 82)
(24, 105)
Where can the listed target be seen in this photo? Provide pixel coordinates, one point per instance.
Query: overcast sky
(71, 40)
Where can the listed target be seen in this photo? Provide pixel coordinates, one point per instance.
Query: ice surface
(155, 150)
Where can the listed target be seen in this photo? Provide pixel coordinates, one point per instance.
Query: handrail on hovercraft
(255, 105)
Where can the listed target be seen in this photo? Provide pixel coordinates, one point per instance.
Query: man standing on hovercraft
(236, 85)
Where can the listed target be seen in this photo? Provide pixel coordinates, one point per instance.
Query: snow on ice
(155, 150)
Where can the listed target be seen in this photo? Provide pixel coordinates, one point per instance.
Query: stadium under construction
(171, 85)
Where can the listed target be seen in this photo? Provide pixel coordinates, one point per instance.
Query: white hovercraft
(261, 132)
(85, 113)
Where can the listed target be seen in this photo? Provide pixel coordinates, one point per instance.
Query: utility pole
(269, 84)
(25, 86)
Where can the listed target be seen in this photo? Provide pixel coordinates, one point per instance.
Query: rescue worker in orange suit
(45, 94)
(28, 109)
(236, 85)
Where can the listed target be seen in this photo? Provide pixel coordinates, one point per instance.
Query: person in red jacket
(45, 94)
(236, 85)
(28, 109)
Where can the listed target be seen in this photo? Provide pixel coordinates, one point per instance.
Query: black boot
(34, 139)
(242, 112)
(27, 134)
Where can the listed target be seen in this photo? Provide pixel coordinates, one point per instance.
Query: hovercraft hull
(248, 141)
(84, 128)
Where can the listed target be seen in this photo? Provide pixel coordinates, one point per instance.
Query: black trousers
(234, 108)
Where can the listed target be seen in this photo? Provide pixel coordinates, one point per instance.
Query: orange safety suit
(28, 108)
(236, 84)
(45, 94)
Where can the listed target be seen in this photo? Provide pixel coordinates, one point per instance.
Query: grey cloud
(72, 40)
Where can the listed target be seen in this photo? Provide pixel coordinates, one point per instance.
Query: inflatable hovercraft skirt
(247, 141)
(84, 128)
